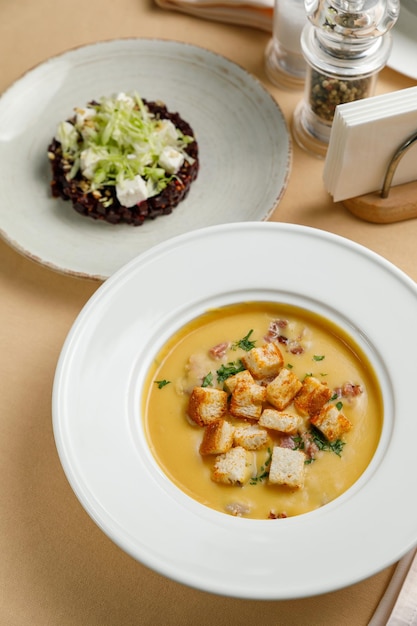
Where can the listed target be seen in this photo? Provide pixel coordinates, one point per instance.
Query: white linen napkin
(398, 606)
(256, 13)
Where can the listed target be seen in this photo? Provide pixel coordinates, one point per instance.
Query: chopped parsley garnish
(162, 383)
(245, 343)
(230, 369)
(207, 380)
(338, 405)
(318, 357)
(264, 471)
(298, 442)
(323, 444)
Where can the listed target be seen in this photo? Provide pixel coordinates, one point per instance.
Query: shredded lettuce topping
(118, 139)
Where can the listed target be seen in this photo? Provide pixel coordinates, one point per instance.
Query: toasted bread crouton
(278, 420)
(251, 437)
(247, 396)
(234, 467)
(287, 467)
(282, 390)
(264, 362)
(217, 437)
(243, 377)
(331, 422)
(207, 404)
(312, 396)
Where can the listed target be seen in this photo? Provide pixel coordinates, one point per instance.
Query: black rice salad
(123, 159)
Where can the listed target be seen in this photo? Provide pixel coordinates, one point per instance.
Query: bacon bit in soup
(273, 515)
(310, 446)
(275, 331)
(296, 348)
(237, 509)
(217, 352)
(287, 442)
(349, 390)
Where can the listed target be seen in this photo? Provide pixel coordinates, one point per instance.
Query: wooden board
(400, 205)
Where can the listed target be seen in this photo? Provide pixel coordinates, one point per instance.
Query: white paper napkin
(256, 13)
(364, 137)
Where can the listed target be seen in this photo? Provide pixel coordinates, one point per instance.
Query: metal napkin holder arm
(391, 204)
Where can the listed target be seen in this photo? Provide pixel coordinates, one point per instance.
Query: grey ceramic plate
(245, 148)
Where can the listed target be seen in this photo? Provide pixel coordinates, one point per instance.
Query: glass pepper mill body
(345, 43)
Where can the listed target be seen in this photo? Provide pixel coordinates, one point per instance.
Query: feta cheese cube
(122, 97)
(171, 160)
(88, 162)
(167, 131)
(131, 192)
(81, 115)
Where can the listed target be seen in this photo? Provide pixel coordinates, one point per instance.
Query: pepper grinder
(285, 65)
(345, 43)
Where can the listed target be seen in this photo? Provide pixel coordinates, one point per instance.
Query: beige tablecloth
(57, 568)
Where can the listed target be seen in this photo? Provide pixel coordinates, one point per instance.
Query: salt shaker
(284, 61)
(345, 43)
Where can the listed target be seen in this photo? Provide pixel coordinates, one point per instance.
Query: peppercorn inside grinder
(345, 43)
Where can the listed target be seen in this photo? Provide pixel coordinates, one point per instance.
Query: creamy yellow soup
(311, 346)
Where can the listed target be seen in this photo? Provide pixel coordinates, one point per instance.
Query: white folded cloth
(256, 13)
(364, 137)
(398, 606)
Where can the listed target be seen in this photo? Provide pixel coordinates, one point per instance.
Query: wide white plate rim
(353, 559)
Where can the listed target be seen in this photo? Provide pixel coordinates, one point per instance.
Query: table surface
(57, 566)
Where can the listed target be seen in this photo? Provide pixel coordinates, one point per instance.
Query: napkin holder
(391, 204)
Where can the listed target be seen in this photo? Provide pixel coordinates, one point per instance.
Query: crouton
(312, 396)
(251, 437)
(278, 420)
(217, 437)
(287, 467)
(207, 404)
(247, 396)
(264, 362)
(331, 422)
(243, 377)
(234, 467)
(282, 390)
